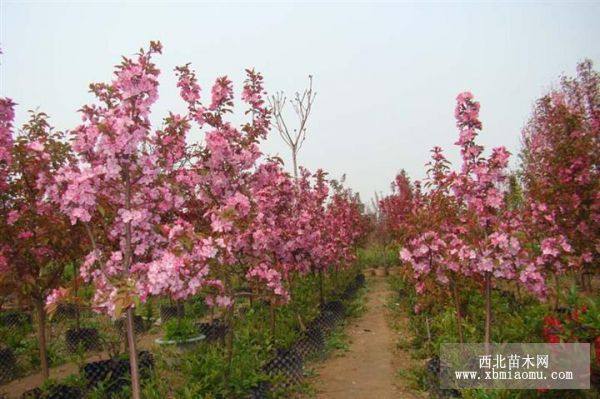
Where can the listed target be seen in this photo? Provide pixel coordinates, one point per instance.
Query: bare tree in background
(302, 104)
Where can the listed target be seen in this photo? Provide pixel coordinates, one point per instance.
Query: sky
(386, 74)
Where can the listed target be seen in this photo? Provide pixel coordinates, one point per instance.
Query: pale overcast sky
(386, 74)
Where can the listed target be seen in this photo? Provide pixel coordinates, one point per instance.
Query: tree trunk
(295, 162)
(290, 282)
(128, 253)
(385, 261)
(76, 293)
(458, 311)
(557, 293)
(428, 330)
(41, 316)
(488, 309)
(133, 358)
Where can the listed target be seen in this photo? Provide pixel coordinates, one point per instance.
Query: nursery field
(136, 261)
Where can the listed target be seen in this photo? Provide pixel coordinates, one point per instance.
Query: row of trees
(480, 224)
(145, 212)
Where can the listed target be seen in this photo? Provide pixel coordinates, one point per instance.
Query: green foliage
(517, 318)
(377, 255)
(203, 371)
(179, 329)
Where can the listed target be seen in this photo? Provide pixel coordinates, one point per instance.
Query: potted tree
(182, 333)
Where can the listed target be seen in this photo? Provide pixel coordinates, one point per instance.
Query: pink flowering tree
(7, 114)
(560, 154)
(124, 191)
(272, 230)
(310, 245)
(344, 227)
(470, 230)
(490, 226)
(36, 240)
(433, 246)
(395, 209)
(243, 200)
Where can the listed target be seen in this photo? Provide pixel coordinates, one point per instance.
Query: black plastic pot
(310, 344)
(287, 366)
(14, 318)
(325, 321)
(8, 365)
(360, 279)
(595, 378)
(34, 393)
(139, 325)
(563, 310)
(433, 380)
(261, 391)
(168, 312)
(84, 338)
(114, 374)
(66, 311)
(433, 365)
(214, 331)
(335, 307)
(350, 291)
(59, 391)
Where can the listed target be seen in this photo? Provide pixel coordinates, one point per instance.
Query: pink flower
(25, 235)
(56, 295)
(223, 301)
(36, 146)
(405, 255)
(13, 216)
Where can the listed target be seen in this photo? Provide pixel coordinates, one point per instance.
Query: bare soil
(369, 368)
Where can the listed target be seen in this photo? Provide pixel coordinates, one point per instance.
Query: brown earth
(369, 368)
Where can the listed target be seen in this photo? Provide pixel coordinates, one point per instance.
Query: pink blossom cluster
(462, 226)
(561, 152)
(7, 115)
(36, 240)
(168, 217)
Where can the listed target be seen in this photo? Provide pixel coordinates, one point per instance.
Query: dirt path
(368, 368)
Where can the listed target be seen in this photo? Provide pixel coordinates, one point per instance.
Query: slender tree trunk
(428, 330)
(41, 316)
(133, 358)
(458, 311)
(295, 162)
(586, 280)
(557, 293)
(75, 293)
(488, 309)
(386, 266)
(576, 281)
(289, 278)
